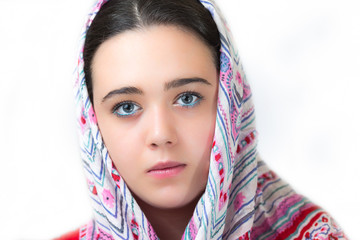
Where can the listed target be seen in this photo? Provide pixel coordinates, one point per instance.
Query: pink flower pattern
(108, 198)
(92, 116)
(239, 200)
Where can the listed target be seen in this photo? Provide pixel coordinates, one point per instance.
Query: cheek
(203, 152)
(118, 150)
(120, 142)
(200, 138)
(125, 155)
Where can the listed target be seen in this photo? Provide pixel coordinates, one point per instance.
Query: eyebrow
(183, 81)
(172, 84)
(124, 90)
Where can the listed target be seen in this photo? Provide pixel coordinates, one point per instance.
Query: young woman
(167, 130)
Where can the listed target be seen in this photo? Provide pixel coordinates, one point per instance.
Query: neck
(168, 223)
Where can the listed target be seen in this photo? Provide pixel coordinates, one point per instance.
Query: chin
(168, 199)
(174, 199)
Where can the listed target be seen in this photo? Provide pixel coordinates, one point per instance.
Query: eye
(125, 109)
(188, 99)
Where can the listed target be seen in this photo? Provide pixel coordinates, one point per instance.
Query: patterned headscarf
(243, 199)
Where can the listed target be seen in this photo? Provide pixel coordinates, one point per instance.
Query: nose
(161, 129)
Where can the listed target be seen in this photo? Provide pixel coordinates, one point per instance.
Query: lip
(166, 169)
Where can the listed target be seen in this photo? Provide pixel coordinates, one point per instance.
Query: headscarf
(243, 198)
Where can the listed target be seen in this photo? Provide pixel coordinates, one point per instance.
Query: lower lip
(167, 172)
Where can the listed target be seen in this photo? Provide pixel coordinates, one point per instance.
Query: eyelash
(197, 95)
(117, 106)
(199, 98)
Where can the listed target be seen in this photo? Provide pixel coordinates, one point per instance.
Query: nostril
(155, 145)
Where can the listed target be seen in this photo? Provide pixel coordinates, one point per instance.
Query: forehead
(160, 53)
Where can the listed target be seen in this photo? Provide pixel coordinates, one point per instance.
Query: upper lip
(165, 165)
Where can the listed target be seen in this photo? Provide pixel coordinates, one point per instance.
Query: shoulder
(281, 212)
(86, 231)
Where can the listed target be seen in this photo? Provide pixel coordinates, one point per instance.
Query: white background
(302, 60)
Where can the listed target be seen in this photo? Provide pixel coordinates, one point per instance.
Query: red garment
(74, 235)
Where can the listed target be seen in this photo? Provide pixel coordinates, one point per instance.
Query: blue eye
(188, 99)
(125, 109)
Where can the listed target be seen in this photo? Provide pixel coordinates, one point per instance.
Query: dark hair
(117, 16)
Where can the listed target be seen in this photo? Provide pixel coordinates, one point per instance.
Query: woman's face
(155, 95)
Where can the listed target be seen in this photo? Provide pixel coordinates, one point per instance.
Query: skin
(160, 121)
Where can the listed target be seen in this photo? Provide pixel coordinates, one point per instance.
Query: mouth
(166, 169)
